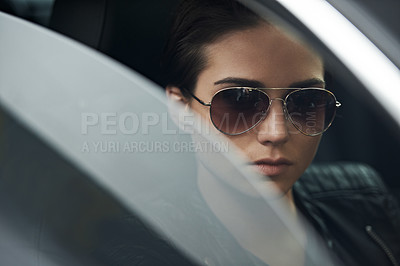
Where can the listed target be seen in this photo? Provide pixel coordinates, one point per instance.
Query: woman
(266, 92)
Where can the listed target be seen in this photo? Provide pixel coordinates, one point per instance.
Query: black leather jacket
(352, 210)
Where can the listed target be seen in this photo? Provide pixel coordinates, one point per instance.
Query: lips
(272, 168)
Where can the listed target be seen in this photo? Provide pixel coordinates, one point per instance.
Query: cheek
(243, 141)
(305, 147)
(202, 111)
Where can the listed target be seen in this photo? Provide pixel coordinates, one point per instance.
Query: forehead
(262, 53)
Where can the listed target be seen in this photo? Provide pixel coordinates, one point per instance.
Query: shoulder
(346, 188)
(339, 179)
(344, 201)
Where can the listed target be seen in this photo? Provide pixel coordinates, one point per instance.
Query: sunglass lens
(236, 110)
(311, 110)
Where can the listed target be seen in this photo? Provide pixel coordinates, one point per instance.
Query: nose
(273, 130)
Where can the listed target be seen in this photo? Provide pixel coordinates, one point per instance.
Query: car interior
(133, 33)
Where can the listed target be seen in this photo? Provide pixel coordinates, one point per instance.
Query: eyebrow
(241, 82)
(308, 83)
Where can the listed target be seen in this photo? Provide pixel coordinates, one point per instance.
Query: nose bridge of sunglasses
(275, 122)
(272, 110)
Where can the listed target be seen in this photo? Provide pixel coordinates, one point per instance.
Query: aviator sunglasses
(236, 110)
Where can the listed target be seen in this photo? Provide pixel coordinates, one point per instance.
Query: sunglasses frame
(294, 90)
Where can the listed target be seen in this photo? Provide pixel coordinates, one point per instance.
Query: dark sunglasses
(236, 110)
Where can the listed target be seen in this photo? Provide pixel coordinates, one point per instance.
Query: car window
(94, 169)
(73, 154)
(379, 21)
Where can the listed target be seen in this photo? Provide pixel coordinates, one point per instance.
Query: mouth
(272, 168)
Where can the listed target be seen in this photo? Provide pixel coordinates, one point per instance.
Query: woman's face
(264, 57)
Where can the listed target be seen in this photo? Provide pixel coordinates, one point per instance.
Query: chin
(283, 188)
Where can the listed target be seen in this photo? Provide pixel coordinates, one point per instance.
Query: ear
(175, 94)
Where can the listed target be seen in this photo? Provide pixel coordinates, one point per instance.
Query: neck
(292, 206)
(267, 235)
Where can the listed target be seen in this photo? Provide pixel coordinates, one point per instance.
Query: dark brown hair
(196, 24)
